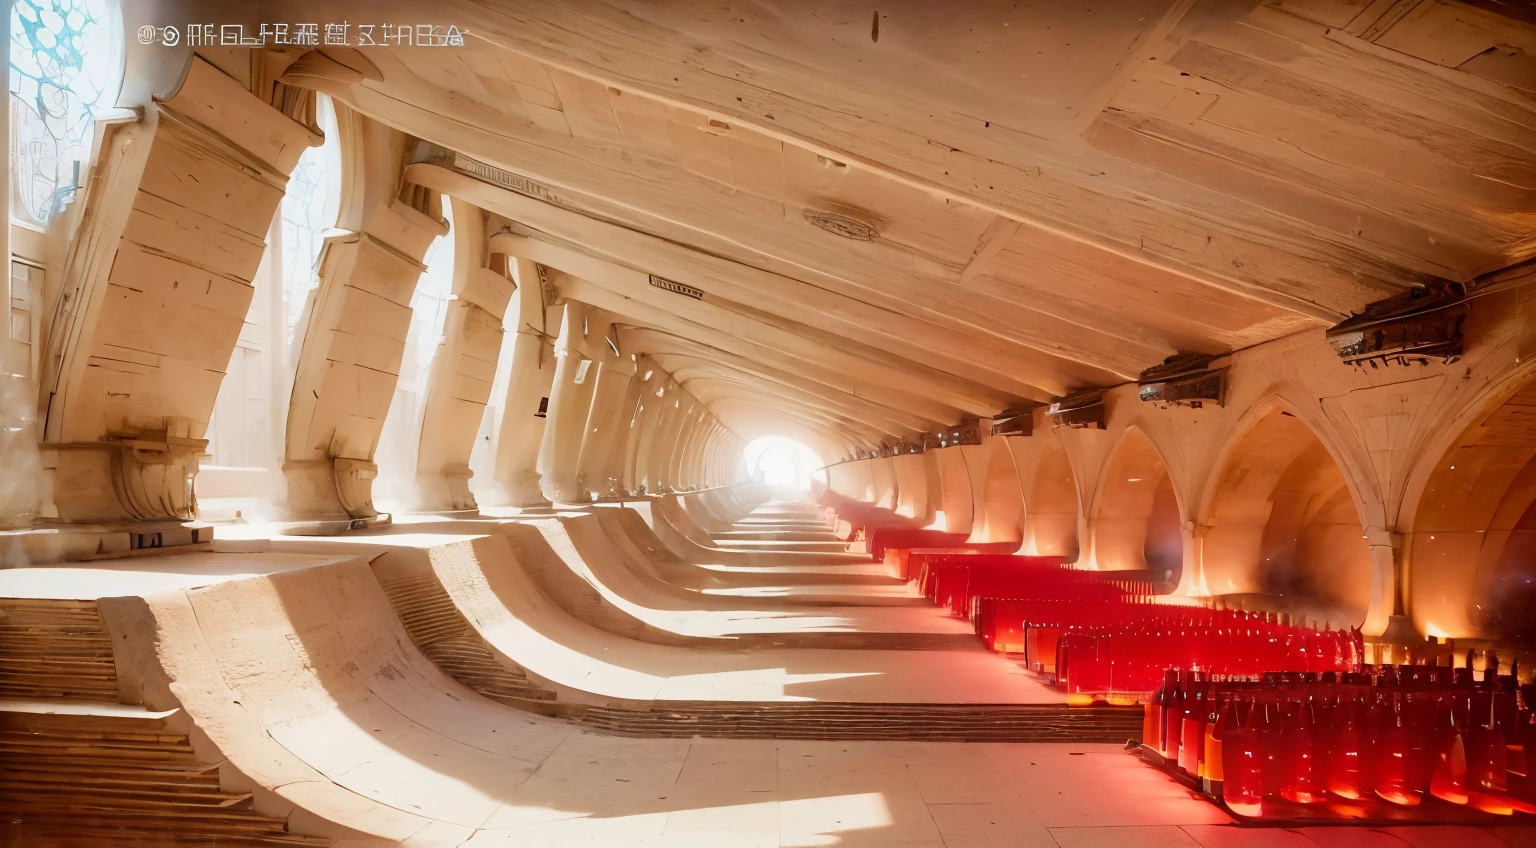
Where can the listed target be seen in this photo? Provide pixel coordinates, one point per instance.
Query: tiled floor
(706, 793)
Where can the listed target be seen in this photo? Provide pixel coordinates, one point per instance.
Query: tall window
(309, 209)
(248, 418)
(66, 66)
(399, 441)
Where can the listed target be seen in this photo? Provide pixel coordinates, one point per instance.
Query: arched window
(66, 65)
(399, 440)
(309, 209)
(245, 431)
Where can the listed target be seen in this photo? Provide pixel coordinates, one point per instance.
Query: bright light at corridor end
(780, 461)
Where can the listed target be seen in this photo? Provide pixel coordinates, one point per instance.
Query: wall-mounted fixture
(1019, 421)
(677, 288)
(1185, 379)
(967, 432)
(1415, 327)
(1082, 408)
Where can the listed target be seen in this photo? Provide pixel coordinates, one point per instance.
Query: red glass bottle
(1242, 766)
(1173, 724)
(1487, 755)
(1392, 778)
(1301, 781)
(1192, 734)
(1448, 782)
(1343, 770)
(1211, 763)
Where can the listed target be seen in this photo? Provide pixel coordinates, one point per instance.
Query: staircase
(442, 633)
(77, 768)
(831, 720)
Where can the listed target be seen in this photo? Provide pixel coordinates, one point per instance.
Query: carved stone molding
(152, 475)
(354, 486)
(457, 475)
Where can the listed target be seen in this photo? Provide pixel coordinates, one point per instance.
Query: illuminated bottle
(1192, 734)
(1242, 768)
(1301, 781)
(1392, 765)
(1343, 770)
(1268, 728)
(1217, 722)
(1173, 724)
(1449, 779)
(1487, 754)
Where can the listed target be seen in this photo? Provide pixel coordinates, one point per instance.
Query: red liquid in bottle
(1343, 771)
(1173, 709)
(1392, 766)
(1301, 783)
(1192, 734)
(1242, 767)
(1448, 782)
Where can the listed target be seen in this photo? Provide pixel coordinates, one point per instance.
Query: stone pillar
(626, 433)
(643, 426)
(157, 282)
(1386, 614)
(703, 455)
(570, 402)
(1192, 577)
(683, 424)
(528, 386)
(464, 367)
(677, 464)
(354, 341)
(607, 426)
(664, 426)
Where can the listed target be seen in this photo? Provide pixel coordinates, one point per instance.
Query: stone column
(570, 402)
(464, 367)
(677, 463)
(672, 446)
(626, 433)
(663, 427)
(607, 425)
(354, 341)
(528, 386)
(157, 287)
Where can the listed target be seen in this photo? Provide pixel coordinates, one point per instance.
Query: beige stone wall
(1315, 478)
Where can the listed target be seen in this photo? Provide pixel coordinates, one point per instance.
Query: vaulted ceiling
(903, 213)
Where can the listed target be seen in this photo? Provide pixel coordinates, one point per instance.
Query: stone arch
(1280, 518)
(1136, 516)
(1469, 517)
(1050, 494)
(954, 491)
(1001, 510)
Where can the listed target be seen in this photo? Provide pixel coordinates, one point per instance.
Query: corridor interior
(771, 423)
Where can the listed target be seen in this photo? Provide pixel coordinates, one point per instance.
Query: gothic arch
(1280, 519)
(1136, 513)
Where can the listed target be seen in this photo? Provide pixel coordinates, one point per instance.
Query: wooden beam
(997, 235)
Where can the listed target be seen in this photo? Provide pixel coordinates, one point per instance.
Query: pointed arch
(1470, 522)
(1050, 493)
(1135, 519)
(1279, 517)
(1001, 511)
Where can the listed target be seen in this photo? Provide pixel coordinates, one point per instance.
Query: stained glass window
(66, 68)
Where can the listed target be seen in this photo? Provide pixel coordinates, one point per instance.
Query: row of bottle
(1130, 656)
(1394, 734)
